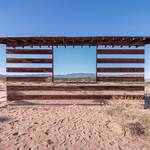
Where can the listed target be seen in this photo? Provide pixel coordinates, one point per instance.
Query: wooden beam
(69, 41)
(120, 70)
(29, 69)
(120, 60)
(29, 79)
(120, 79)
(70, 97)
(76, 88)
(120, 51)
(28, 51)
(28, 60)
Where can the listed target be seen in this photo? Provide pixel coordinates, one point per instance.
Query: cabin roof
(76, 41)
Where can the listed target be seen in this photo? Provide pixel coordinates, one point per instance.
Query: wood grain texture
(76, 88)
(70, 97)
(29, 51)
(120, 70)
(28, 60)
(120, 51)
(69, 41)
(29, 79)
(120, 60)
(119, 79)
(28, 69)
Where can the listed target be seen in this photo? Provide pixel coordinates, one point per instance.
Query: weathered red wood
(29, 69)
(29, 51)
(76, 88)
(120, 69)
(69, 97)
(28, 60)
(119, 79)
(120, 60)
(62, 40)
(120, 51)
(29, 79)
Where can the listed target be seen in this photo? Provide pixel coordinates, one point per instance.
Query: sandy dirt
(27, 125)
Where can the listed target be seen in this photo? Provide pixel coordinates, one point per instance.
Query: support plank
(28, 60)
(29, 79)
(120, 51)
(29, 51)
(119, 79)
(70, 97)
(120, 60)
(120, 70)
(29, 69)
(75, 88)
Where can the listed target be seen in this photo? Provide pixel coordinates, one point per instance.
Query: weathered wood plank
(69, 97)
(28, 60)
(29, 79)
(120, 51)
(76, 88)
(29, 51)
(82, 41)
(119, 79)
(120, 69)
(120, 60)
(29, 69)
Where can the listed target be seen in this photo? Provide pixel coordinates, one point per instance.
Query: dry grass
(131, 116)
(145, 121)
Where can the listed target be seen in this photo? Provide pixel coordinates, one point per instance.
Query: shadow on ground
(27, 103)
(4, 119)
(147, 102)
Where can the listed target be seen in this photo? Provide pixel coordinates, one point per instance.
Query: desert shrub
(136, 129)
(145, 121)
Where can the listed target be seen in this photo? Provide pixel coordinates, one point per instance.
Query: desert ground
(116, 125)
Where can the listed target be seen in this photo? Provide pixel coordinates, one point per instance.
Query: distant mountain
(147, 80)
(76, 75)
(73, 75)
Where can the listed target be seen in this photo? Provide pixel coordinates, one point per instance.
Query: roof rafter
(76, 41)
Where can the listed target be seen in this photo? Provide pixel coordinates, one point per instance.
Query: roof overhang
(76, 41)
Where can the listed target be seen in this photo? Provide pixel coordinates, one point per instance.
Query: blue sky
(75, 18)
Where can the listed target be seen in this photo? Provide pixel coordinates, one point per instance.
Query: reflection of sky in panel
(120, 65)
(28, 74)
(29, 65)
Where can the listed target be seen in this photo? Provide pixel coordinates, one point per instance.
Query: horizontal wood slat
(120, 69)
(28, 60)
(29, 69)
(29, 51)
(31, 79)
(120, 51)
(119, 60)
(75, 88)
(69, 97)
(118, 79)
